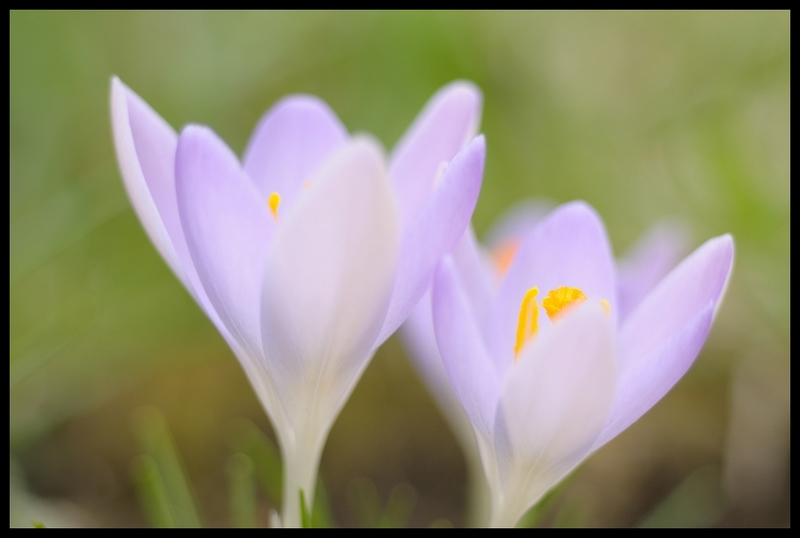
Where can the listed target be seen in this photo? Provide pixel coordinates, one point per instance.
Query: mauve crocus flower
(544, 366)
(638, 271)
(308, 253)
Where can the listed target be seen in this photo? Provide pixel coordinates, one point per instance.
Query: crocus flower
(638, 271)
(311, 251)
(543, 364)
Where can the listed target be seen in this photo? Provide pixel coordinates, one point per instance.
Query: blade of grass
(152, 492)
(248, 439)
(156, 441)
(305, 518)
(242, 491)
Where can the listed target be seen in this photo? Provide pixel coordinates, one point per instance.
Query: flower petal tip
(726, 242)
(473, 154)
(194, 130)
(578, 207)
(195, 139)
(463, 96)
(119, 104)
(723, 248)
(479, 143)
(302, 102)
(464, 92)
(300, 109)
(117, 85)
(365, 142)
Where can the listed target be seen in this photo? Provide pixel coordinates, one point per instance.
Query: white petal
(160, 141)
(328, 280)
(556, 400)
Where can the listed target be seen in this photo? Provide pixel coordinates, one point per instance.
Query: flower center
(558, 302)
(273, 202)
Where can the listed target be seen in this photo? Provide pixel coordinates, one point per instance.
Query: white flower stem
(300, 466)
(479, 496)
(503, 517)
(507, 510)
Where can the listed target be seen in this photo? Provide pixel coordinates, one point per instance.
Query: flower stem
(301, 463)
(504, 518)
(479, 497)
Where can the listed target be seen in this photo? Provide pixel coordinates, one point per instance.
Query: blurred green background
(643, 115)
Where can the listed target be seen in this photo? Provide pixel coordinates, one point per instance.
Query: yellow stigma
(528, 322)
(562, 299)
(606, 307)
(274, 201)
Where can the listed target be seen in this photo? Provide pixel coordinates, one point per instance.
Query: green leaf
(698, 501)
(251, 441)
(305, 518)
(535, 516)
(399, 507)
(152, 492)
(242, 491)
(371, 512)
(321, 511)
(365, 502)
(156, 442)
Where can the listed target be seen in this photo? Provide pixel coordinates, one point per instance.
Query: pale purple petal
(435, 230)
(475, 272)
(663, 335)
(686, 290)
(329, 277)
(448, 121)
(647, 380)
(145, 145)
(291, 141)
(569, 248)
(419, 340)
(648, 261)
(463, 353)
(228, 227)
(555, 401)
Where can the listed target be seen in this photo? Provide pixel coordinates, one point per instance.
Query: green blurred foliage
(643, 115)
(164, 488)
(243, 502)
(693, 503)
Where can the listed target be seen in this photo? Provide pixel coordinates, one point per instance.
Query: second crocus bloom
(643, 266)
(544, 365)
(311, 251)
